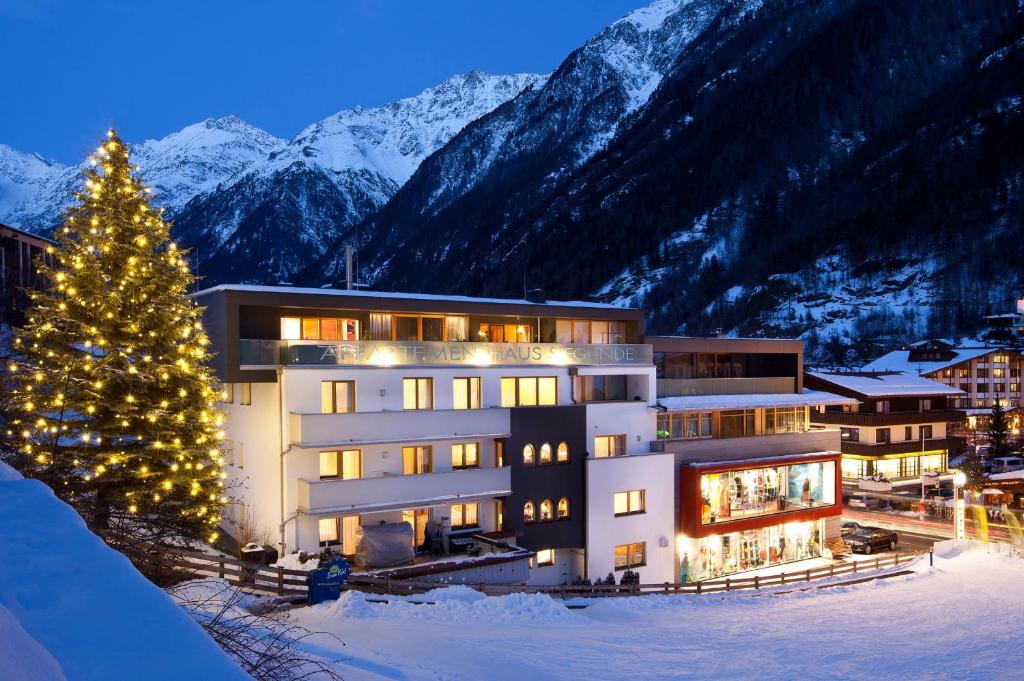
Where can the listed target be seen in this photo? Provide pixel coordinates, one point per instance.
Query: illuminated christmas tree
(114, 403)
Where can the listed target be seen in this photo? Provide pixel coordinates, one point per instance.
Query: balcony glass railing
(404, 353)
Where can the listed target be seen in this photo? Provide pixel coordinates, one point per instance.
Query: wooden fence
(247, 576)
(406, 587)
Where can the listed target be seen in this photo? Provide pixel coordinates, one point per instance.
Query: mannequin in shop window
(684, 570)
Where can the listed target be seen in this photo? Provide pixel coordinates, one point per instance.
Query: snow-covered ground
(958, 620)
(73, 608)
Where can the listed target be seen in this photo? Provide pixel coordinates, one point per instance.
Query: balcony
(904, 447)
(671, 387)
(387, 427)
(814, 440)
(898, 418)
(392, 492)
(268, 354)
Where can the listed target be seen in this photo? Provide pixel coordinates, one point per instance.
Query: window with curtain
(609, 445)
(529, 512)
(529, 391)
(466, 455)
(563, 508)
(457, 328)
(380, 326)
(545, 453)
(563, 452)
(547, 510)
(417, 460)
(466, 392)
(418, 393)
(464, 515)
(337, 397)
(529, 455)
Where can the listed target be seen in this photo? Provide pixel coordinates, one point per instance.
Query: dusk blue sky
(70, 68)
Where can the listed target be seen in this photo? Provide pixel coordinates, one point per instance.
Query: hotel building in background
(19, 251)
(554, 426)
(899, 428)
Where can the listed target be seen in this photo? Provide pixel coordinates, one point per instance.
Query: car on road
(849, 527)
(866, 501)
(870, 539)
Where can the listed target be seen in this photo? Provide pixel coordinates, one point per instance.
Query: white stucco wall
(652, 473)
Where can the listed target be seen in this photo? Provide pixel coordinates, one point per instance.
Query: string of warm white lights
(115, 398)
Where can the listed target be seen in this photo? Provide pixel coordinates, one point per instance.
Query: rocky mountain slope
(848, 171)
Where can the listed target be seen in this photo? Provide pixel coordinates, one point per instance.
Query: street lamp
(959, 480)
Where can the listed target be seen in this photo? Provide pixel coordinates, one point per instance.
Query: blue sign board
(325, 583)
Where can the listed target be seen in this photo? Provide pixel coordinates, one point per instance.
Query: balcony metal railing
(272, 353)
(355, 428)
(392, 491)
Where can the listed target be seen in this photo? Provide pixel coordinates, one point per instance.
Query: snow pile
(71, 607)
(949, 621)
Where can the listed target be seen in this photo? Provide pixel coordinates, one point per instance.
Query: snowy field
(961, 620)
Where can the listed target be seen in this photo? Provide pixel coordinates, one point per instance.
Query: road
(915, 533)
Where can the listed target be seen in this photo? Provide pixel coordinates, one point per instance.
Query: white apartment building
(347, 409)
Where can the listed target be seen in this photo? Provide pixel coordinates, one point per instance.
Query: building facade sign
(396, 353)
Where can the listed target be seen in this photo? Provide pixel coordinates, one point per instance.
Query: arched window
(547, 510)
(529, 456)
(563, 452)
(563, 508)
(545, 453)
(529, 512)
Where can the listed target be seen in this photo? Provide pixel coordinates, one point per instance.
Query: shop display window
(749, 492)
(725, 554)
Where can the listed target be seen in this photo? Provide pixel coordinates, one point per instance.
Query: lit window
(630, 555)
(633, 501)
(417, 393)
(529, 455)
(246, 390)
(417, 460)
(529, 391)
(346, 464)
(545, 453)
(291, 328)
(546, 510)
(328, 531)
(466, 393)
(466, 455)
(609, 445)
(563, 508)
(337, 397)
(545, 557)
(563, 452)
(529, 512)
(464, 515)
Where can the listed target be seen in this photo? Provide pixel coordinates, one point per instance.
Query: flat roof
(751, 401)
(767, 459)
(886, 384)
(724, 344)
(395, 295)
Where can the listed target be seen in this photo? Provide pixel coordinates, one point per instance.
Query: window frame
(558, 509)
(416, 393)
(551, 511)
(531, 506)
(563, 446)
(549, 557)
(334, 396)
(462, 456)
(463, 506)
(473, 392)
(630, 552)
(429, 458)
(618, 437)
(629, 503)
(518, 399)
(245, 399)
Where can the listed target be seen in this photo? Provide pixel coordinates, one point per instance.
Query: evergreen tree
(998, 430)
(973, 470)
(115, 407)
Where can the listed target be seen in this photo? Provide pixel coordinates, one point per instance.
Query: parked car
(849, 527)
(870, 539)
(1005, 464)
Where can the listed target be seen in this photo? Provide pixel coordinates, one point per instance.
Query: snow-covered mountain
(34, 191)
(244, 198)
(538, 138)
(271, 219)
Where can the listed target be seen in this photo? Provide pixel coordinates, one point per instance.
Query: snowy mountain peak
(394, 138)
